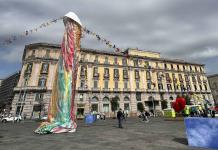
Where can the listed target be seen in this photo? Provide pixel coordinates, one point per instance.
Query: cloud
(176, 28)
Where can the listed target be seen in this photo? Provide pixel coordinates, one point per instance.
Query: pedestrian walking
(146, 116)
(120, 117)
(124, 117)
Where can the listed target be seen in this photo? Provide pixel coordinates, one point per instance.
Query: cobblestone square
(102, 135)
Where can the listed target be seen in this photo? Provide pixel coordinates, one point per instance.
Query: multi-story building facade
(6, 91)
(213, 81)
(134, 76)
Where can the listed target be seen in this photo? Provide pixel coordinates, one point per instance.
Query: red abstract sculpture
(179, 104)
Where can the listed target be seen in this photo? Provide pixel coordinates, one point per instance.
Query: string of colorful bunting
(100, 38)
(13, 38)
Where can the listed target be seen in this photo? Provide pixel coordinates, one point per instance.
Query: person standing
(120, 117)
(146, 116)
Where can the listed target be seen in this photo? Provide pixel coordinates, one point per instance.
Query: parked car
(11, 118)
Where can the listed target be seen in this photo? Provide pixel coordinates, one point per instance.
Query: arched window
(105, 99)
(95, 99)
(126, 98)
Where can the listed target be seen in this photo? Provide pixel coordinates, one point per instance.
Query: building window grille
(116, 73)
(125, 74)
(39, 97)
(126, 106)
(45, 67)
(95, 72)
(106, 72)
(42, 82)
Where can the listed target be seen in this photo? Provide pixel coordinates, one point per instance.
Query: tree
(114, 104)
(140, 107)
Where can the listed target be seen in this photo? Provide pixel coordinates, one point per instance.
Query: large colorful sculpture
(61, 113)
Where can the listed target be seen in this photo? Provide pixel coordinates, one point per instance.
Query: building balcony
(140, 90)
(126, 89)
(95, 89)
(82, 89)
(106, 89)
(162, 90)
(116, 89)
(31, 88)
(151, 90)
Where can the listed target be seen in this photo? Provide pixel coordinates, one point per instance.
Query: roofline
(58, 46)
(212, 75)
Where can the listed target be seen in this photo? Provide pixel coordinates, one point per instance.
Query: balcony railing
(116, 89)
(82, 88)
(95, 89)
(126, 89)
(31, 88)
(106, 89)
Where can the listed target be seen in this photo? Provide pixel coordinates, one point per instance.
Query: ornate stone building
(213, 81)
(134, 76)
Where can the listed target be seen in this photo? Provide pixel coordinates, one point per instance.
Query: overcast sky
(180, 29)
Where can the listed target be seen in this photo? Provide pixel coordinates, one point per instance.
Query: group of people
(202, 113)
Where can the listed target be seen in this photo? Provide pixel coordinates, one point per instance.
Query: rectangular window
(126, 106)
(137, 85)
(186, 78)
(95, 84)
(83, 71)
(148, 75)
(178, 67)
(106, 84)
(138, 96)
(125, 85)
(137, 74)
(165, 66)
(39, 97)
(205, 87)
(195, 86)
(96, 59)
(106, 72)
(180, 78)
(190, 68)
(172, 66)
(149, 85)
(183, 68)
(116, 73)
(193, 79)
(82, 83)
(136, 64)
(160, 86)
(125, 74)
(95, 72)
(29, 68)
(81, 97)
(42, 82)
(169, 87)
(106, 60)
(115, 60)
(106, 108)
(116, 85)
(124, 61)
(44, 68)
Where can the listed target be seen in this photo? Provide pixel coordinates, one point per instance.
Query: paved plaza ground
(102, 135)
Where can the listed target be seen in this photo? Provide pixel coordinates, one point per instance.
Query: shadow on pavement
(181, 140)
